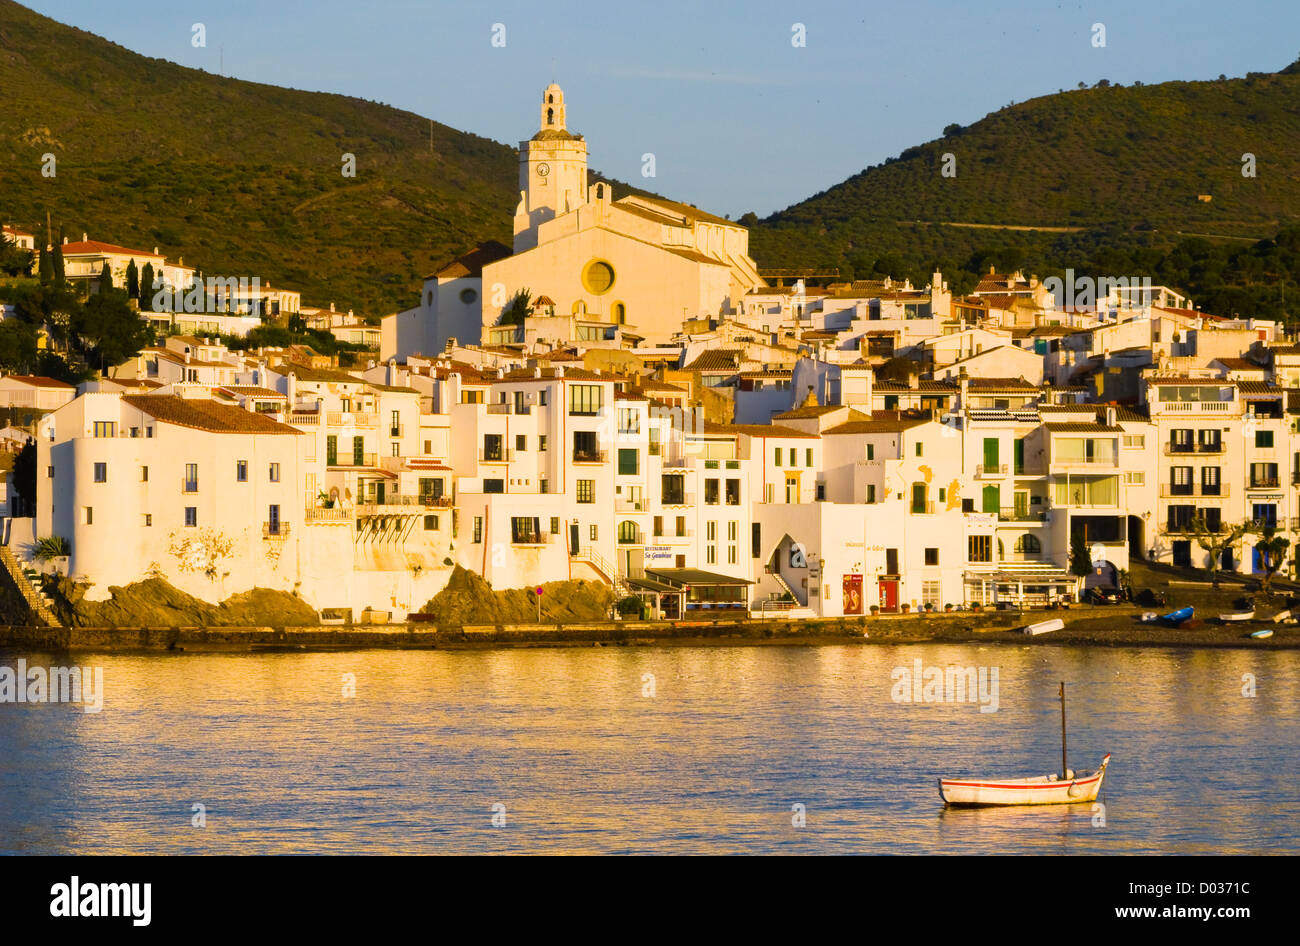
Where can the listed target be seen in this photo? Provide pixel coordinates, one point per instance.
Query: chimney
(1110, 417)
(155, 249)
(291, 388)
(331, 307)
(85, 237)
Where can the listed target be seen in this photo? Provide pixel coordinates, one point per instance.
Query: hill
(239, 177)
(1118, 166)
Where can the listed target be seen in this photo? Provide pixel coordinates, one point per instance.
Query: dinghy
(1260, 635)
(1060, 789)
(1237, 616)
(1044, 627)
(1179, 616)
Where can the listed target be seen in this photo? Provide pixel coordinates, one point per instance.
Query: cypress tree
(147, 288)
(59, 274)
(45, 268)
(132, 281)
(106, 278)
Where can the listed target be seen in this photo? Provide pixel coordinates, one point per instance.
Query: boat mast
(1065, 766)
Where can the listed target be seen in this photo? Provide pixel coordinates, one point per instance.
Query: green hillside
(236, 176)
(1125, 164)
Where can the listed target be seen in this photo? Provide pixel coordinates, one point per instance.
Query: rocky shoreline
(1100, 627)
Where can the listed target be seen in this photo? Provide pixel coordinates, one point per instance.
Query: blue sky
(737, 117)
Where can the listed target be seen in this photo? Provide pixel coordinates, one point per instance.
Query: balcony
(1263, 482)
(351, 419)
(1193, 407)
(189, 486)
(499, 455)
(396, 430)
(1192, 449)
(590, 456)
(437, 502)
(275, 530)
(1013, 514)
(630, 505)
(678, 499)
(654, 449)
(1176, 490)
(353, 460)
(534, 538)
(500, 407)
(989, 471)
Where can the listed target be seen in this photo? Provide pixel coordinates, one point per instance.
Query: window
(680, 524)
(191, 478)
(628, 533)
(1180, 481)
(932, 556)
(659, 525)
(494, 486)
(794, 457)
(1263, 439)
(541, 442)
(148, 520)
(808, 457)
(191, 516)
(101, 472)
(430, 523)
(331, 450)
(521, 442)
(1028, 545)
(711, 530)
(1135, 440)
(543, 397)
(777, 456)
(1135, 478)
(871, 451)
(395, 424)
(586, 490)
(980, 548)
(871, 493)
(629, 421)
(1210, 481)
(593, 532)
(273, 519)
(585, 399)
(1263, 475)
(930, 593)
(586, 448)
(733, 492)
(135, 431)
(492, 449)
(525, 530)
(711, 492)
(275, 472)
(105, 428)
(241, 471)
(397, 449)
(144, 474)
(673, 489)
(919, 497)
(88, 515)
(918, 448)
(49, 472)
(478, 529)
(555, 525)
(628, 463)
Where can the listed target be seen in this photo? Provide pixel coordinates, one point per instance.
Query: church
(598, 270)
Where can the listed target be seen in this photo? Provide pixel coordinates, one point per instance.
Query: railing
(350, 459)
(395, 430)
(351, 419)
(539, 538)
(275, 530)
(437, 502)
(1012, 514)
(991, 470)
(1216, 491)
(654, 450)
(499, 407)
(1188, 407)
(502, 455)
(333, 514)
(305, 420)
(189, 486)
(1180, 450)
(1264, 482)
(629, 505)
(590, 456)
(685, 499)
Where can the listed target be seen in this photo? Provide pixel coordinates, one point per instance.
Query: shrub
(52, 546)
(630, 605)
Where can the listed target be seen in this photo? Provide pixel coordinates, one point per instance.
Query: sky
(738, 117)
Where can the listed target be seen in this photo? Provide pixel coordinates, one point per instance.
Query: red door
(889, 594)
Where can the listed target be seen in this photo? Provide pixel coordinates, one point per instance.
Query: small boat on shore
(1179, 616)
(1284, 617)
(1260, 635)
(1065, 788)
(1237, 616)
(1044, 627)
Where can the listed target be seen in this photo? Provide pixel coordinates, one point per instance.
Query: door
(358, 451)
(990, 454)
(888, 594)
(573, 538)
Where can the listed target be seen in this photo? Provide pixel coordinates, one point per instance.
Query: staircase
(25, 580)
(606, 568)
(781, 583)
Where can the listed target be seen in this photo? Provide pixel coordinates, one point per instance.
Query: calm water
(713, 762)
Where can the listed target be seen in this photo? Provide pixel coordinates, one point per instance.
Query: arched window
(550, 99)
(550, 116)
(600, 191)
(1029, 544)
(620, 313)
(628, 534)
(580, 308)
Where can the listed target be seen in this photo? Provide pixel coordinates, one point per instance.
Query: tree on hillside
(132, 281)
(147, 288)
(45, 267)
(105, 279)
(1271, 547)
(107, 331)
(1216, 542)
(17, 346)
(14, 260)
(60, 274)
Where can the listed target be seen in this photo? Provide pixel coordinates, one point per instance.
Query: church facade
(635, 266)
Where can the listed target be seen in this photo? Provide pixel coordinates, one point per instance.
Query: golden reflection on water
(649, 750)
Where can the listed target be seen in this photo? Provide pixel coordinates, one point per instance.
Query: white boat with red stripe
(1076, 787)
(1068, 788)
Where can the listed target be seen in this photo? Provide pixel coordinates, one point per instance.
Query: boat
(1260, 635)
(1237, 616)
(1284, 617)
(1064, 788)
(1044, 627)
(1179, 616)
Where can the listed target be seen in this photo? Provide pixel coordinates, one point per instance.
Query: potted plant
(976, 606)
(875, 609)
(947, 608)
(906, 608)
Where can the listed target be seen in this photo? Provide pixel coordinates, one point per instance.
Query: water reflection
(731, 740)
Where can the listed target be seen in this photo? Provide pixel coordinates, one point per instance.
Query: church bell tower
(552, 171)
